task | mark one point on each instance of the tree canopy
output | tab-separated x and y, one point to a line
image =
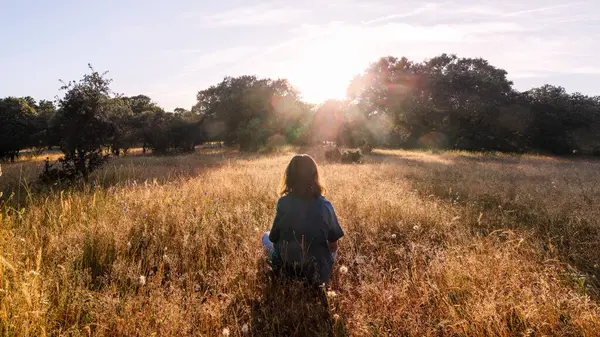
17	125
443	102
247	111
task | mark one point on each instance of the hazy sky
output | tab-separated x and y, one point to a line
171	49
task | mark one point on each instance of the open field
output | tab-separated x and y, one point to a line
450	244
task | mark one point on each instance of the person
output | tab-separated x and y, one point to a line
303	241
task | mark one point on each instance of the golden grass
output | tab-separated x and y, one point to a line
452	244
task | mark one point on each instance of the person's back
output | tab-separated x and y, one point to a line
305	230
301	233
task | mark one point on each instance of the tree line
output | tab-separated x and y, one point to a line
444	102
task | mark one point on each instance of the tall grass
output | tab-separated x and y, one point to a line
452	244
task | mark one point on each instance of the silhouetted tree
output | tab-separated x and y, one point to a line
247	111
166	132
45	136
17	126
83	122
442	102
124	133
446	101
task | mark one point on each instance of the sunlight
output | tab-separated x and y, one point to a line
325	66
320	80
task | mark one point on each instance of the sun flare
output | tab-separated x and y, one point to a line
325	67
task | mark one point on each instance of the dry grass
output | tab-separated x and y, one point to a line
454	244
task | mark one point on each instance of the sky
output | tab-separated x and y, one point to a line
169	50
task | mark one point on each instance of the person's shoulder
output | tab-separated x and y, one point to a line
325	202
284	200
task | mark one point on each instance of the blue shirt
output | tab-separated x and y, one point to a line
301	233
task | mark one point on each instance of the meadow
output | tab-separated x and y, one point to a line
436	244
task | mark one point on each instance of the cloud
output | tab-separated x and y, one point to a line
219	58
419	10
322	59
374	6
525	74
541	9
256	15
320	56
441	12
584	70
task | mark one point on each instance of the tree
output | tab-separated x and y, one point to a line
563	123
166	132
391	89
328	121
470	94
122	119
457	100
445	102
17	126
46	137
237	105
185	131
140	104
83	122
141	108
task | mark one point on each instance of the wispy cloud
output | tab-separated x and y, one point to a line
419	10
255	15
320	57
434	13
359	5
541	9
219	58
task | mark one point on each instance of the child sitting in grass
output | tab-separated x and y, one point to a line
303	241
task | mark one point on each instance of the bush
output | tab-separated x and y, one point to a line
69	170
275	141
333	155
349	157
366	148
168	133
84	125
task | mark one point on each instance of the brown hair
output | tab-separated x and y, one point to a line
301	178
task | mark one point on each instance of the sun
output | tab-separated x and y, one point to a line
324	69
322	81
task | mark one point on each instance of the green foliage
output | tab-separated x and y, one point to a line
563	123
247	111
142	109
466	103
335	155
445	102
253	134
41	132
350	157
366	148
84	124
124	135
17	126
165	132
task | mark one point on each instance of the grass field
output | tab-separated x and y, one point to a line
449	244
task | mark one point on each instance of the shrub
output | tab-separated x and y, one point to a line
83	124
349	157
68	171
333	155
275	141
366	148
